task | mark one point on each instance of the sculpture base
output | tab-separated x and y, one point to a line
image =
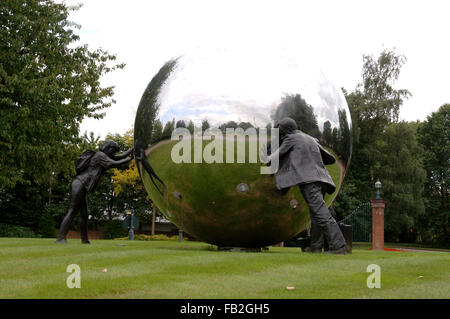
241	249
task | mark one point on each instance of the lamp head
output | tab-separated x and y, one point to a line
378	184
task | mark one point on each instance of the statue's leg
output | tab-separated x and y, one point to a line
77	193
84	221
321	216
316	236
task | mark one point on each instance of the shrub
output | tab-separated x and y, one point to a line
16	231
114	229
47	226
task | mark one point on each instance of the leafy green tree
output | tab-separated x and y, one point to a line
229	124
47	228
149	106
344	140
205	125
129	192
347	200
114	229
295	107
375	103
168	129
157	131
191	127
245	125
434	135
48	85
334	136
102	202
327	135
180	123
399	166
89	142
22	204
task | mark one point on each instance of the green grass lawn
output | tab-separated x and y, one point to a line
36	268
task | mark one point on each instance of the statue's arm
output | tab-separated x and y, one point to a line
285	146
327	157
108	162
120	162
123	155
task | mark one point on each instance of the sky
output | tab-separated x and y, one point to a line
146	34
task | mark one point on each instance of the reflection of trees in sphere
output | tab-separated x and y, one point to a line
232	204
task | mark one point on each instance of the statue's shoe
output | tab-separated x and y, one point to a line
61	241
310	250
340	251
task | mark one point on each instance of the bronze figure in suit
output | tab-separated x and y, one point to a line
302	162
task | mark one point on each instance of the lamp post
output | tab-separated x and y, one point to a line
377	219
131	225
378	187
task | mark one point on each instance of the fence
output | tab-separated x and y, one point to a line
361	221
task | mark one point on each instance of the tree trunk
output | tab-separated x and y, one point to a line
371	174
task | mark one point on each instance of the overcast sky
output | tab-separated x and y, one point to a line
145	34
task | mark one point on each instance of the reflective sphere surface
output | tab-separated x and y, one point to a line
233	204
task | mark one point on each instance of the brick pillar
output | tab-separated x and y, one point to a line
377	224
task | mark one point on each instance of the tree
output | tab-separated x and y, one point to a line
180	123
168	129
295	107
47	226
434	135
149	107
327	133
375	103
400	168
191	127
157	131
229	124
245	125
102	203
205	125
347	200
48	85
129	192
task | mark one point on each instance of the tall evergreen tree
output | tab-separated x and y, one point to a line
191	127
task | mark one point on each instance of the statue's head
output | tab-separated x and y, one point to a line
110	147
286	126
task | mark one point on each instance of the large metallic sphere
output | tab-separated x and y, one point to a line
233	204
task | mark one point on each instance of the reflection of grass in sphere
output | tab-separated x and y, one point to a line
211	208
